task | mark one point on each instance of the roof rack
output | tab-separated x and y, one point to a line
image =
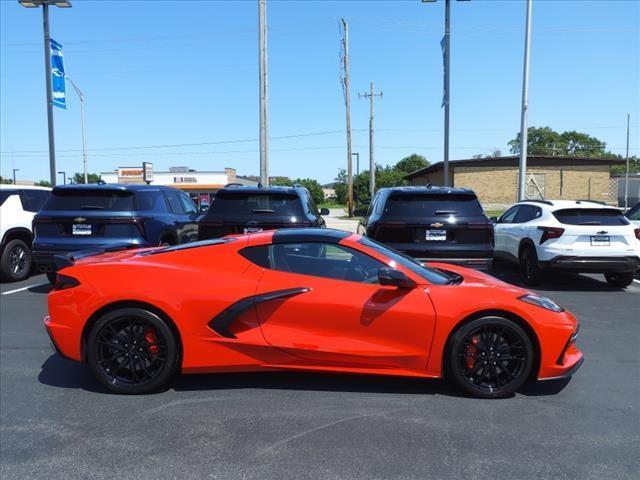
545	202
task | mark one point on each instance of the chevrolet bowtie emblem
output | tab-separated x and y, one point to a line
437	225
79	219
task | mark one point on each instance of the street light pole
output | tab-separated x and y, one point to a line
84	138
14	174
47	68
262	40
64	177
357	162
524	130
626	175
447	43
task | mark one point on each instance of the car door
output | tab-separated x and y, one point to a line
503	230
180	218
191	222
335	312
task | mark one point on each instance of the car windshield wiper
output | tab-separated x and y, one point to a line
445	212
263	210
91	207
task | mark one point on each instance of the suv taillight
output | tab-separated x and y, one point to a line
637	232
64	282
550	232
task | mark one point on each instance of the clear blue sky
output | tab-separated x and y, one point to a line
169	72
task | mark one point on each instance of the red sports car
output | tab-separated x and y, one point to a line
306	300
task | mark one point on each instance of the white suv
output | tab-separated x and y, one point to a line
580	236
18	205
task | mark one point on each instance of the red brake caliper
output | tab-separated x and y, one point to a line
150	337
470	358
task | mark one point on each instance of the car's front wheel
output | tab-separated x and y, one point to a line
132	351
15	263
490	357
621	280
531	272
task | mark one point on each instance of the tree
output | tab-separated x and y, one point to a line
315	189
280	181
5	181
546	141
412	163
540	141
79	178
340	186
621	168
581	145
44	183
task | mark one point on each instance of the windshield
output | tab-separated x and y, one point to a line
104	200
590	216
430	205
431	275
240	203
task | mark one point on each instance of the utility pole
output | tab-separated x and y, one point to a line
626	175
347	103
84	138
264	140
522	174
372	162
447	48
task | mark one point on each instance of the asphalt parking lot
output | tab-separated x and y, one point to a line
57	422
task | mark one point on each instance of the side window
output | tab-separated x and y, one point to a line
524	214
188	204
32	200
152	201
173	198
5	194
509	215
635	215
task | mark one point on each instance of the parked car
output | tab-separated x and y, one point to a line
432	224
634	214
243	209
18	205
266	301
579	236
78	217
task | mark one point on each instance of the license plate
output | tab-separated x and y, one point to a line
81	229
252	229
436	235
600	241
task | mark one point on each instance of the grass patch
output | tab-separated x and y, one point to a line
331	204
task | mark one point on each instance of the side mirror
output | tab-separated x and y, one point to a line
494	219
324	211
390	276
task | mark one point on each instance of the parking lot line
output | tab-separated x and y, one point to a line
25	288
637	281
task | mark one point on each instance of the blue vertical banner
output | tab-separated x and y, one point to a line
58	83
443	45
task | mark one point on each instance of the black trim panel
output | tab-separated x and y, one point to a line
221	322
303	235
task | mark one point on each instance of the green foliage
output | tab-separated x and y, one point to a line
280	181
79	177
634	166
315	189
546	141
412	163
5	181
44	183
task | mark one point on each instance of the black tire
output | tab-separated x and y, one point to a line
530	271
126	358
621	280
475	357
16	260
51	276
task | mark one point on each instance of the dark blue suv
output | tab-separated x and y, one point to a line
79	217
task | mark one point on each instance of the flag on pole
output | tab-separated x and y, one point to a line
443	46
58	84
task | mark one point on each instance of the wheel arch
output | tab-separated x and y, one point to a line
526	243
518	320
20	233
128	304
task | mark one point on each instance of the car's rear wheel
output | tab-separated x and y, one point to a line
16	261
531	272
490	357
132	351
621	280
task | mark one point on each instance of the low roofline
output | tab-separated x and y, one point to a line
512	160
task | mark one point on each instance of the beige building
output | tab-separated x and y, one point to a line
495	180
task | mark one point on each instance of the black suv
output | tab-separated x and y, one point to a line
242	209
79	217
432	224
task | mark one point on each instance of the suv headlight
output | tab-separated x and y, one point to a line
542	302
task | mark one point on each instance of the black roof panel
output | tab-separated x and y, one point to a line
295	235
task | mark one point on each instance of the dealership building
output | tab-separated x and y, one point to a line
200	185
495	179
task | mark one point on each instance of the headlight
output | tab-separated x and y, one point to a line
540	301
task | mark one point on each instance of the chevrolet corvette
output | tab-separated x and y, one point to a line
306	300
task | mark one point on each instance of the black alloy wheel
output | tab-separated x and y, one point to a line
490	357
531	272
132	351
16	261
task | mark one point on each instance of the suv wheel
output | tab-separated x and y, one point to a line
15	263
531	272
621	280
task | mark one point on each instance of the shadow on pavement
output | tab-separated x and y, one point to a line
59	372
41	288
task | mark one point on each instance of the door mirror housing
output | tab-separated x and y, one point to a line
393	277
494	219
324	211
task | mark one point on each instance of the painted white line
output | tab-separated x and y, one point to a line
24	288
637	281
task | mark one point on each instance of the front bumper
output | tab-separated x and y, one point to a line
593	264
